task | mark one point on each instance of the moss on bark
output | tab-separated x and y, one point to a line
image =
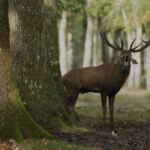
17	122
33	84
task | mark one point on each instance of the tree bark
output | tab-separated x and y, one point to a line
15	121
62	43
69	51
130	81
137	56
96	47
147	66
34	45
88	42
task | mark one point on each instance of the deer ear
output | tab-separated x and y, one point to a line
134	61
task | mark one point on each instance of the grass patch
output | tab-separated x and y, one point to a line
50	145
129	105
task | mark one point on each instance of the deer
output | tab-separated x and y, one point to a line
106	79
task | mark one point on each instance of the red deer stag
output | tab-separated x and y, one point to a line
106	79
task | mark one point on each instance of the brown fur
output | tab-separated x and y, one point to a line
106	79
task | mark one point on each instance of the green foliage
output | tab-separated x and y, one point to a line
93	7
75	6
129	105
110	11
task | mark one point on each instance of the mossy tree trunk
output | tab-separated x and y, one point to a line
34	45
28	41
15	121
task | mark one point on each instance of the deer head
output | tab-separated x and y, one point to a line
125	57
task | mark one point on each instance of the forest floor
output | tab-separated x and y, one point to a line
132	125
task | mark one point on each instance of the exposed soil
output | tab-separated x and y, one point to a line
130	135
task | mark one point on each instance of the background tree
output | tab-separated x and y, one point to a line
119	19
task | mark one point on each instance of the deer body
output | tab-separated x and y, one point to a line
106	79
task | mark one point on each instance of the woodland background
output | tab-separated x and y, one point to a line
80	43
40	40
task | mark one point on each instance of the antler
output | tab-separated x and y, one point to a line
134	50
116	46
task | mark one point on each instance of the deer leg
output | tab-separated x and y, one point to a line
104	109
111	109
71	101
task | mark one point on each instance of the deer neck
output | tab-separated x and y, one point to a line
125	69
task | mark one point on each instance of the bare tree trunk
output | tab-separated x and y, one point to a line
130	82
147	66
62	43
88	42
69	40
137	56
69	51
148	69
95	52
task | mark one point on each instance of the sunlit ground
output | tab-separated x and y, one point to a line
131	105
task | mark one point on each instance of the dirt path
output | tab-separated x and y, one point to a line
131	136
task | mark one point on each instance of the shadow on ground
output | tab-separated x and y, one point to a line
132	123
130	136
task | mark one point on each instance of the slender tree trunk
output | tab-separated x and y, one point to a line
130	82
62	43
69	51
147	66
137	56
147	69
96	49
110	51
88	42
69	34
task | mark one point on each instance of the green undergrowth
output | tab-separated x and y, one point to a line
129	105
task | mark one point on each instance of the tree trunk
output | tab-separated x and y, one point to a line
96	47
69	51
137	56
62	43
88	42
130	82
15	121
147	66
34	44
69	40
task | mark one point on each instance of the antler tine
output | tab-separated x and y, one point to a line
132	44
115	47
144	41
137	46
122	44
147	43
